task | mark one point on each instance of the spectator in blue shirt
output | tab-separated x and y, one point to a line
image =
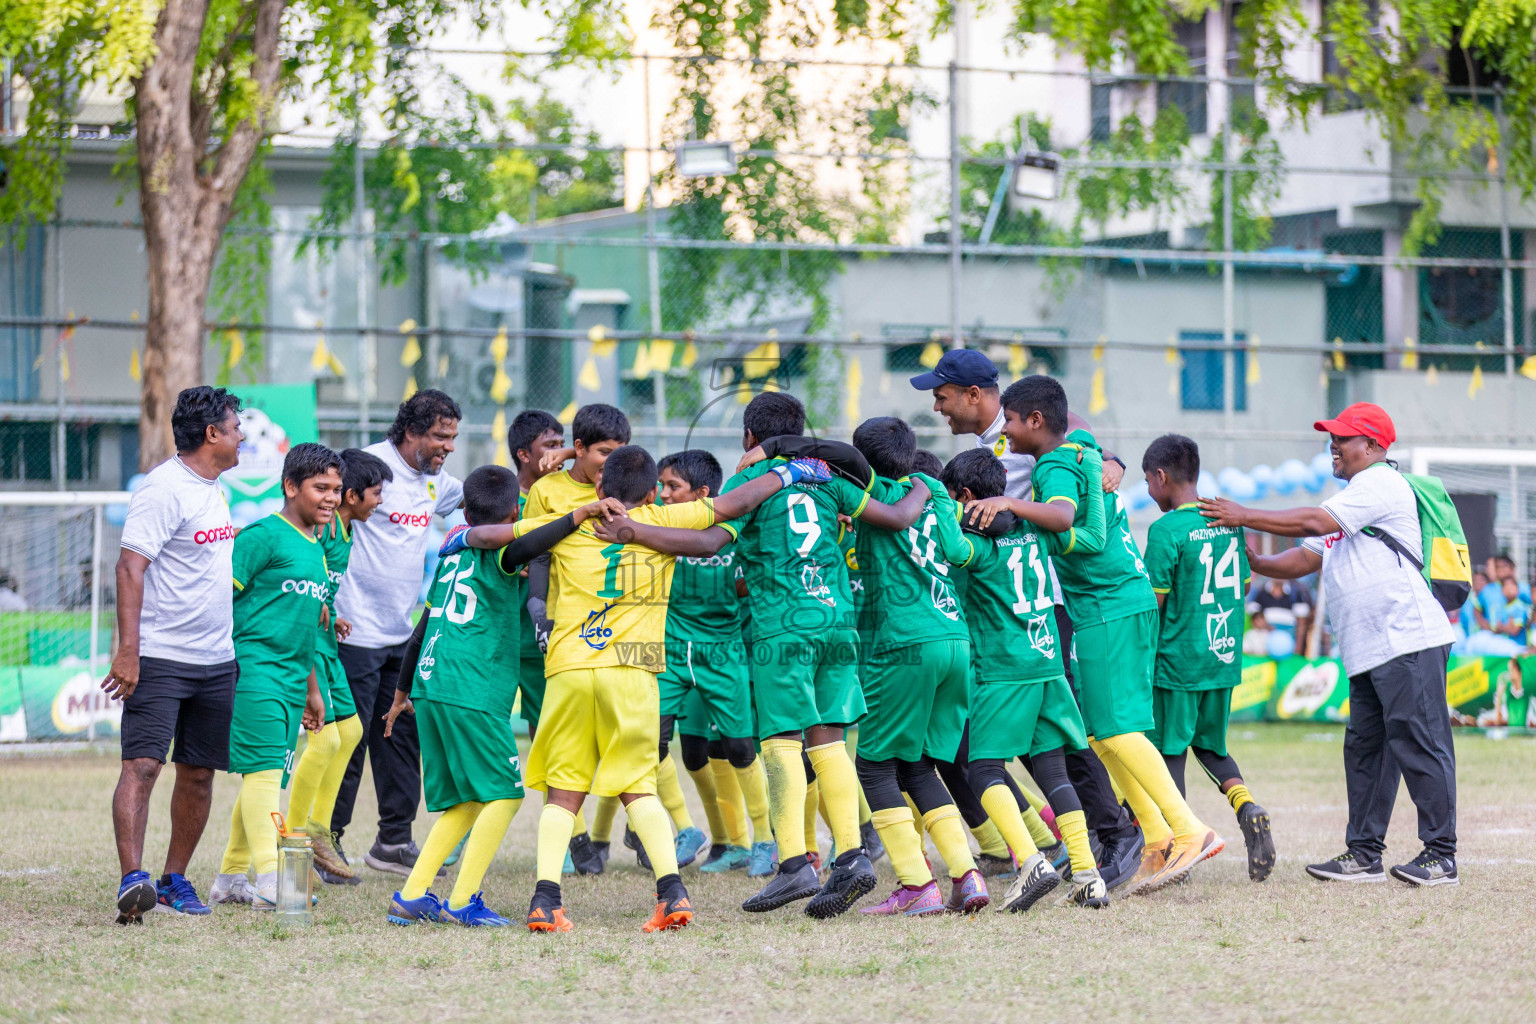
1515	615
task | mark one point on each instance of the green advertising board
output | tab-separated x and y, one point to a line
274	418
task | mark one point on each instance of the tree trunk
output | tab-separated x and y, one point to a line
186	193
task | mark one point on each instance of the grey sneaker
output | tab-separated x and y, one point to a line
1427	869
1348	866
231	888
395	858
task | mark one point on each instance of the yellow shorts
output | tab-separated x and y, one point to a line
598	732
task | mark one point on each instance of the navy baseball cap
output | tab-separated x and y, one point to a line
964	367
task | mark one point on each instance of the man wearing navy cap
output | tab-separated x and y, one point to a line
1394	640
965	393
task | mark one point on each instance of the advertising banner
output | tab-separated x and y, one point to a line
275	417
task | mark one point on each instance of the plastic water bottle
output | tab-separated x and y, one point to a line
295	867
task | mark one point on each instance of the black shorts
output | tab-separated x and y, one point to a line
190	704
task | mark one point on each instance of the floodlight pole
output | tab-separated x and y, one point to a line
954	204
652	261
367	356
1228	278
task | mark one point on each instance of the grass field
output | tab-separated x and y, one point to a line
1219	948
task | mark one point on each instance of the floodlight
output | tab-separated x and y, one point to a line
705	158
1036	176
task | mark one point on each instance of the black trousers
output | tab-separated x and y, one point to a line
1104	815
372	673
1399	728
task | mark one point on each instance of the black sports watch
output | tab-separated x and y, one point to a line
1116	458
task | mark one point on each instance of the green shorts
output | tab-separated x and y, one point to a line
332	680
1114	674
693	715
917	701
466	756
798	681
1190	718
263	731
1014	719
717	672
530	690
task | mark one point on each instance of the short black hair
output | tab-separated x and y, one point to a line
527	427
490	495
697	467
889	445
309	459
197	409
420	413
927	462
977	469
629	474
774	414
597	423
1175	455
1042	394
361	470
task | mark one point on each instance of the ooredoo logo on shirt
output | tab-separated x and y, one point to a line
407	519
225	532
305	587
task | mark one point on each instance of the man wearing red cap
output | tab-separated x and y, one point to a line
1394	639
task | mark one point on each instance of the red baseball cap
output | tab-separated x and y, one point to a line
1361	420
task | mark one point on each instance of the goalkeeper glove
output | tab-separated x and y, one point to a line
813	471
455	542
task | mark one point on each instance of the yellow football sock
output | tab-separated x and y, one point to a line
1074	832
943	823
484	840
445	835
648	820
349	732
990	839
895	827
917	821
785	775
812	804
669	790
1154	828
602	818
579	823
259	794
237	852
1035	800
709	796
1039	831
730	804
754	791
554	841
1140	758
1003	809
307	774
840	790
1237	796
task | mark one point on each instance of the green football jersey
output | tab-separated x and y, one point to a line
465	659
848	544
280	586
797	578
1203	571
1100	568
336	546
1010	609
909	593
703	606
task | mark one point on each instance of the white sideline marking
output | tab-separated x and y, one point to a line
23	872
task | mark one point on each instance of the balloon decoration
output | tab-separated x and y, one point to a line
1290	477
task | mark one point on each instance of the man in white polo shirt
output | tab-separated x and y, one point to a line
1394	639
174	669
965	393
376	597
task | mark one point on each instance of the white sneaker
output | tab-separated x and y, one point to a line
264	893
231	889
1036	878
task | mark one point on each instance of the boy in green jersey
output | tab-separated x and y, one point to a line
317	777
281	589
916	662
705	687
1020	702
1200	576
1114	618
532	435
460	679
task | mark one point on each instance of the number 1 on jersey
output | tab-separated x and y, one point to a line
1042	599
1224	570
614	553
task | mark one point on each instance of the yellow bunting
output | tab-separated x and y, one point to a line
885	382
690	355
588	377
501	385
323	359
744	395
567	414
932	353
1098	401
1018	359
770	385
502	457
1528	368
604	349
499	344
1338	353
236	348
134	316
596	333
853	380
1410	355
1322	380
442	365
661	353
762	360
137	374
642	365
406	326
1253	361
410	355
64	364
410	388
1476	383
1098	350
1431	376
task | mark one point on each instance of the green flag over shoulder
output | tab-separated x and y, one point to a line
1444	561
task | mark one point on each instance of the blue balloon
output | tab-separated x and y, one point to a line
1322	465
1237	485
1206	484
1263	478
134	482
1294	472
1138	497
1315	481
1281	644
